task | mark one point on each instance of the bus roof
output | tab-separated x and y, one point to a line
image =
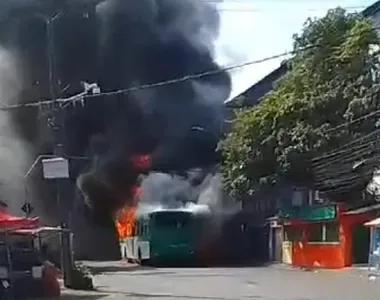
196	209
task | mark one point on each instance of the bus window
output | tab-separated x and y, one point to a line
172	220
135	228
141	228
145	228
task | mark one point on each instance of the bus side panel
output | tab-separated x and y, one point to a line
123	248
131	248
144	247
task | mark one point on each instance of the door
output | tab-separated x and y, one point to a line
277	246
360	244
287	252
143	251
131	247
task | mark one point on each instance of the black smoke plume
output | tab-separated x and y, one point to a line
119	44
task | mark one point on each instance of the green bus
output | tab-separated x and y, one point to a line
165	236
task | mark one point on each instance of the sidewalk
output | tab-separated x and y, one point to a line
359	270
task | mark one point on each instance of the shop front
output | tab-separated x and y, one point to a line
319	236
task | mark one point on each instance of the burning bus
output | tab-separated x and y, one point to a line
163	236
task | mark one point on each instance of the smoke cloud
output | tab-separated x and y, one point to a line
200	188
119	44
178	125
14	152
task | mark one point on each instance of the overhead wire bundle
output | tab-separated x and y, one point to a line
350	166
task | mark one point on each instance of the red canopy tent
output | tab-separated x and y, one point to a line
11	222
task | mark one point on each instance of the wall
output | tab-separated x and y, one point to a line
327	255
267	202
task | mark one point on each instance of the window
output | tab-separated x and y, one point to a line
138	228
316	233
292	234
332	232
135	228
172	220
142	228
146	228
322	233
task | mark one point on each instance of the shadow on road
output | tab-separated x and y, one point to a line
115	268
83	297
240	265
95	270
215	265
176	296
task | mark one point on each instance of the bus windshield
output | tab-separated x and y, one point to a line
171	219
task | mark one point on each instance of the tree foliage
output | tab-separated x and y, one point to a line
333	79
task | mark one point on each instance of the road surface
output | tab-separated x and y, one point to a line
115	281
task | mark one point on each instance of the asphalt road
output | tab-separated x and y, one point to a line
115	281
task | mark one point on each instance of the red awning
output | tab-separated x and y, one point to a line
11	222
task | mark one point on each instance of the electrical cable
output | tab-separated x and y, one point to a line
340	171
358	149
344	160
80	97
359	180
345	169
343	148
350	157
354	155
261	10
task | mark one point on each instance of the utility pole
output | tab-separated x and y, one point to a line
55	119
56	125
55	122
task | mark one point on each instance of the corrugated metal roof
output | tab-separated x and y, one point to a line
362	210
373	223
372	9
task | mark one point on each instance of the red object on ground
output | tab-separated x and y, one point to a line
12	222
50	283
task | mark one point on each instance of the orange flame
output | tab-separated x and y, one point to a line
125	221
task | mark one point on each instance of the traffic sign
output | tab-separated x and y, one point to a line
27	208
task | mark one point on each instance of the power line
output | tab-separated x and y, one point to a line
340	171
346	167
261	10
351	154
81	97
332	155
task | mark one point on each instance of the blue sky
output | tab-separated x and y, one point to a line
254	29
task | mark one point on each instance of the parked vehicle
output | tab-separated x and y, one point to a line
24	271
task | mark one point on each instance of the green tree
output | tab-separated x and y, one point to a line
333	78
